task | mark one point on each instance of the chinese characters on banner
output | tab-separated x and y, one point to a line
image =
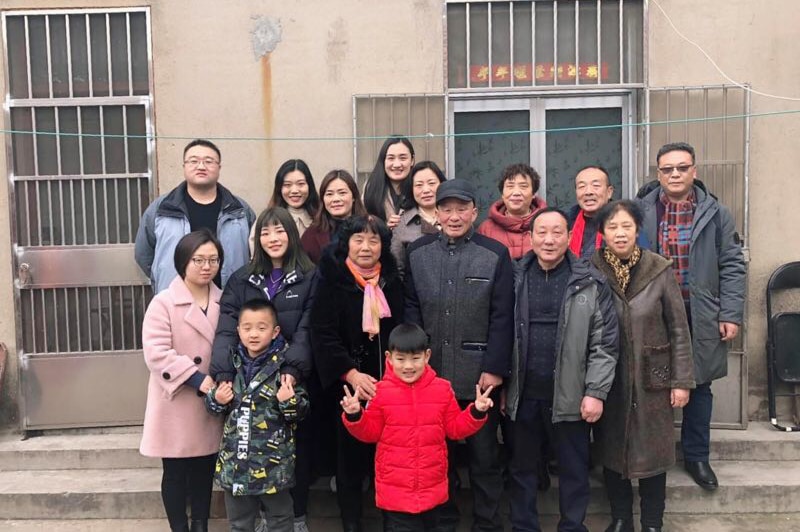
525	73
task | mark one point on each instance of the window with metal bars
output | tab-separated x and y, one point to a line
377	116
80	82
544	43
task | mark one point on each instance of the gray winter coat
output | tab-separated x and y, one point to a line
586	341
463	296
716	278
166	221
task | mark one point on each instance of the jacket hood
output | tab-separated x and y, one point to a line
174	203
499	215
333	268
426	378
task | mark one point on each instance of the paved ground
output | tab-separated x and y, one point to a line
730	523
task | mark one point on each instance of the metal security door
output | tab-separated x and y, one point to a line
81	81
558	134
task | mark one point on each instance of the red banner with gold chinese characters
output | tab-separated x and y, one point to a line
525	73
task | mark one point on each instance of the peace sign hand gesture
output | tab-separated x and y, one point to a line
349	402
482	400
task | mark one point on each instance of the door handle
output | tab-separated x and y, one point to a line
23	275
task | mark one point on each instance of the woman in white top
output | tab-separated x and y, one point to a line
295	191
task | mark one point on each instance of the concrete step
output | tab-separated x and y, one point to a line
760	442
684	523
746	487
74	451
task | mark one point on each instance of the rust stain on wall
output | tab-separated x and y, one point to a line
266	105
266	35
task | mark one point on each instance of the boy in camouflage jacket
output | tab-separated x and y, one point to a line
257	455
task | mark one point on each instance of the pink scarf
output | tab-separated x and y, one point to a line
375	305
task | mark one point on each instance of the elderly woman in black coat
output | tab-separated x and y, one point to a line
358	302
654	372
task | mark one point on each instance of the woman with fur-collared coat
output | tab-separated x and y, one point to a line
654	372
177	335
358	302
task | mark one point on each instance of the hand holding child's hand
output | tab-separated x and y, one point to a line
224	393
482	400
350	402
286	391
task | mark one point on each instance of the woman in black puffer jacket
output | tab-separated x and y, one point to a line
281	272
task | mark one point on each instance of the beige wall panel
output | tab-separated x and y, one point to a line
218	87
752	41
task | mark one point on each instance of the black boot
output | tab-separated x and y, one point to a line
199	525
702	474
620	525
651	529
180	528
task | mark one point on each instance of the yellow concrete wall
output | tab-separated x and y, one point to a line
209	83
752	41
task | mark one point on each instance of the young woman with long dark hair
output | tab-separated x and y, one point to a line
383	193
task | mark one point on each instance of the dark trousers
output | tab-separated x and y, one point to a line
485	476
531	428
243	510
302	467
430	521
696	425
354	462
652	492
187	477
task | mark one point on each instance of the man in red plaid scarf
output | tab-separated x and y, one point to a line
684	222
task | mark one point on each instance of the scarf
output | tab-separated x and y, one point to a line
622	270
675	237
375	305
576	242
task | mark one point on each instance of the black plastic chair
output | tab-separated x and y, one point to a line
783	342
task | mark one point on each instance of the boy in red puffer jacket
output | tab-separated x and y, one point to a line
410	417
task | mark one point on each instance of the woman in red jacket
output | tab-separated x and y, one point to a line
410	417
509	219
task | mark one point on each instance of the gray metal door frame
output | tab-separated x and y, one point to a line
79	297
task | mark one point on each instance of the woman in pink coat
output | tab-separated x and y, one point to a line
177	336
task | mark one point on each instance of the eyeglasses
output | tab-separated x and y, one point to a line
208	162
682	169
200	261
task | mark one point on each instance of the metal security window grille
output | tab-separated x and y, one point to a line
379	116
544	43
81	81
84	319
